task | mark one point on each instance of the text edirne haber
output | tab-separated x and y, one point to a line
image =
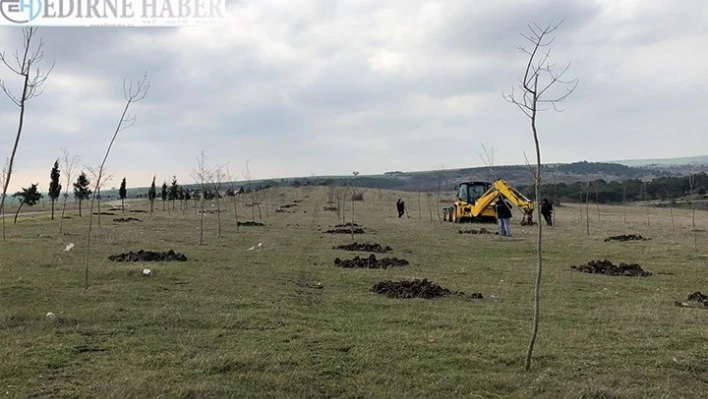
127	9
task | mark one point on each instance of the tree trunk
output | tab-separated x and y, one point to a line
63	210
52	199
152	205
218	215
539	248
80	201
18	211
17	140
122	204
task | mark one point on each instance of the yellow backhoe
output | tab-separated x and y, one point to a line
475	202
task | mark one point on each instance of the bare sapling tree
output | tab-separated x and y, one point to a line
218	177
3	176
587	207
132	93
597	199
354	194
233	194
24	64
203	176
105	178
691	184
646	202
540	78
68	165
254	202
624	202
671	209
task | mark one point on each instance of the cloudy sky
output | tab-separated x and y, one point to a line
302	87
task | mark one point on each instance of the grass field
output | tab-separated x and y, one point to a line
233	323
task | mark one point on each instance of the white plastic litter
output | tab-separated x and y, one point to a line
51	316
147	272
251	249
68	247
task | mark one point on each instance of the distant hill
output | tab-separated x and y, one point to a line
516	175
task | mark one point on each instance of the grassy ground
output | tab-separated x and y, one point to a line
232	323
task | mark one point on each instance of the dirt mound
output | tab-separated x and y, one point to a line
138	211
416	289
695	300
124	220
348	225
606	267
627	237
250	223
480	231
149	256
346	231
331	208
286	206
104	213
364	247
370	263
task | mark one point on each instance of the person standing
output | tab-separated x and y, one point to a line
503	217
401	207
547	211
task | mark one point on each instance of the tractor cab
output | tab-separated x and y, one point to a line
470	192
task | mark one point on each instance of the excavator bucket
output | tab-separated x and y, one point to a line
527	219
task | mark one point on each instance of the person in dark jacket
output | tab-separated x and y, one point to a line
401	207
547	211
503	217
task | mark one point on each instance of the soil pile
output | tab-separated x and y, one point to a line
606	267
627	237
331	208
695	300
480	231
104	213
288	206
348	225
416	289
355	230
365	247
124	220
250	223
370	263
149	256
138	211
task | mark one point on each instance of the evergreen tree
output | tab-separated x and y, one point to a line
163	194
152	194
122	192
81	189
28	196
173	192
54	185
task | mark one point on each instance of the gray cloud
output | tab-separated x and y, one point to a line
329	87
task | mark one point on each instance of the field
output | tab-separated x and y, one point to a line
281	321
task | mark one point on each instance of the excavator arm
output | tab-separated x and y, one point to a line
516	198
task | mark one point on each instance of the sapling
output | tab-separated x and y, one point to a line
539	77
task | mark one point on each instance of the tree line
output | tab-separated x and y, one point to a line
604	192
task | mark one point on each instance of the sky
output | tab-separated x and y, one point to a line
327	87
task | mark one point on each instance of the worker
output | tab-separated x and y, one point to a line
401	207
547	211
503	217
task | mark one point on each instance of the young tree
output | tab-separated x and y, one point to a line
252	190
173	192
163	195
24	62
81	189
539	77
152	194
68	165
122	192
3	176
202	176
54	185
131	94
106	177
28	196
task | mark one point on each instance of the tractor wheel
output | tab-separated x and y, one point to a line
453	217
